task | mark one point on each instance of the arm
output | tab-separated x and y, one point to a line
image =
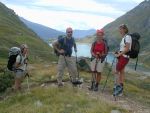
126	49
18	61
75	47
55	45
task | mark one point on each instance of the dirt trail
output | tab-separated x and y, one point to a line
122	102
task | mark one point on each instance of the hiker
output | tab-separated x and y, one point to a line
123	59
98	52
65	59
20	66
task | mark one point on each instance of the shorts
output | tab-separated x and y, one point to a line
122	62
19	73
97	68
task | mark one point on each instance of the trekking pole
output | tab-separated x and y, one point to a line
136	64
108	74
77	64
94	76
95	70
27	75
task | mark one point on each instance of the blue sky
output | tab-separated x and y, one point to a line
79	14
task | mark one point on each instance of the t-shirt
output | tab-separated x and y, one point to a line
99	47
66	45
23	65
125	39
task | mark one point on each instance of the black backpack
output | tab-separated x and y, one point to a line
135	47
13	53
61	46
58	46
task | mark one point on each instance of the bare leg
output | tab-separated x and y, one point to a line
17	83
98	77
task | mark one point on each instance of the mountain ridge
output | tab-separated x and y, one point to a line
14	32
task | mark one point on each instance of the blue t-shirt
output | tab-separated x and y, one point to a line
66	45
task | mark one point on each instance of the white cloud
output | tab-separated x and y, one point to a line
79	5
59	14
61	20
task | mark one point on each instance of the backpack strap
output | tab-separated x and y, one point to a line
106	47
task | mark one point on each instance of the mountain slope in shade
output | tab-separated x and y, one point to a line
137	20
42	31
14	32
46	32
83	33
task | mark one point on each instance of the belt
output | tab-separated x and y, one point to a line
67	55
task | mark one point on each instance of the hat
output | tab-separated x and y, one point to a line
100	31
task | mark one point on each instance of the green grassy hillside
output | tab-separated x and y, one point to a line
13	32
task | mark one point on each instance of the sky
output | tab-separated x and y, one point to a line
78	14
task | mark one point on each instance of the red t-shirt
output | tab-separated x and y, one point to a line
99	47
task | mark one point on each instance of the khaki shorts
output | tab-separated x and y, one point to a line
99	67
20	73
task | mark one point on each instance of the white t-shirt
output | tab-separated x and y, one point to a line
23	65
127	39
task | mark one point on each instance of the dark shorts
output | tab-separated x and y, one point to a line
122	62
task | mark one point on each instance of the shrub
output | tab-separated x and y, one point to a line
6	80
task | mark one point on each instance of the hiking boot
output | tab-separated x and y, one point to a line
96	87
77	82
92	86
60	85
118	90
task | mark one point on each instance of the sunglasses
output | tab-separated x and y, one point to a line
69	32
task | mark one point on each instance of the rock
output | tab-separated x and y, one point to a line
38	103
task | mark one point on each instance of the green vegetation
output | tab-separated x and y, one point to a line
6	80
13	32
54	100
45	97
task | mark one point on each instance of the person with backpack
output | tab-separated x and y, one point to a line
123	59
20	66
98	51
65	59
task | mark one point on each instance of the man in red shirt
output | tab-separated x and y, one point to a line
98	52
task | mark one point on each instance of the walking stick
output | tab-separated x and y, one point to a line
108	74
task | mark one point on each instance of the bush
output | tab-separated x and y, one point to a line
6	80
